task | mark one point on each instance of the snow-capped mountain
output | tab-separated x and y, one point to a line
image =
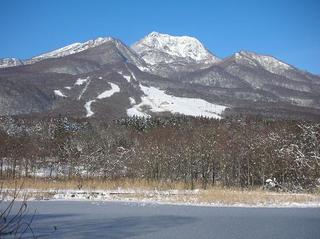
71	49
160	74
167	55
158	48
85	57
10	62
74	48
267	62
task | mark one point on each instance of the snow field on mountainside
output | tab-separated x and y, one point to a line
108	93
158	101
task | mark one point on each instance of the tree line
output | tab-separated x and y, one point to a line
233	152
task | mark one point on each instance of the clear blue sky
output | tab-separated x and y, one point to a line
287	29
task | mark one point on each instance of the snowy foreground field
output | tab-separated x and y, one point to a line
115	220
154	214
213	197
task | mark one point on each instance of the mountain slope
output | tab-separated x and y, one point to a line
92	56
159	75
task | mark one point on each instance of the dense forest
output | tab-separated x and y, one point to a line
233	152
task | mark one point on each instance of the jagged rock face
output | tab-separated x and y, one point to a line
160	74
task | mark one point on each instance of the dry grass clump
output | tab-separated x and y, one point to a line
254	196
154	190
91	184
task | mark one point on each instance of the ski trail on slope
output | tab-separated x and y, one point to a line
84	89
106	94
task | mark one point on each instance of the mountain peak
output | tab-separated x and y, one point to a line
155	34
270	63
172	48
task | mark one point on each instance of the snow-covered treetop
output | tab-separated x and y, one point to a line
73	48
173	46
268	62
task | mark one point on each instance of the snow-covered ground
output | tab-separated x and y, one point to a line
158	101
170	197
